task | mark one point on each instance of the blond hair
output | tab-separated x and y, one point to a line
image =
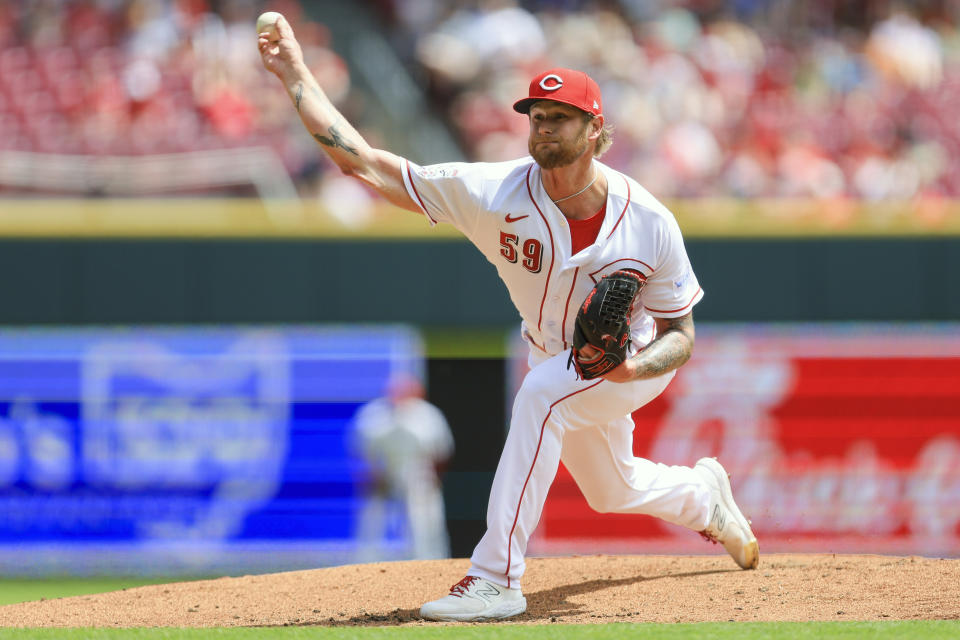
605	139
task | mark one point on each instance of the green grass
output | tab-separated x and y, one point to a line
925	629
14	590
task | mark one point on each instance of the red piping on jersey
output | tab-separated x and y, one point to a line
546	286
417	193
645	276
699	289
624	208
563	327
529	473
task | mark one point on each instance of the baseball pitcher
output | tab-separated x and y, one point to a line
597	269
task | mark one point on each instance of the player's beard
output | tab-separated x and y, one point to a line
562	154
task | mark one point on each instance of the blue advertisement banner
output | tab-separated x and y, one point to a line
185	449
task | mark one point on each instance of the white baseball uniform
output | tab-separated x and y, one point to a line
405	441
505	211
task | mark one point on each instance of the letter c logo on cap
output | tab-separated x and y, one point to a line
551	82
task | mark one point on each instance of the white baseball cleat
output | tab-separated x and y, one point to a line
474	599
727	524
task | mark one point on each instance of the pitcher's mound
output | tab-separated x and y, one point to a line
592	589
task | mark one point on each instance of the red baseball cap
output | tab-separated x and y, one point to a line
563	85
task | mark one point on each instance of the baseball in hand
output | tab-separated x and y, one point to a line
267	22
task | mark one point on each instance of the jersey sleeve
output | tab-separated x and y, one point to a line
450	192
672	289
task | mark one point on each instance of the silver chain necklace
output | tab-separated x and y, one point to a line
596	174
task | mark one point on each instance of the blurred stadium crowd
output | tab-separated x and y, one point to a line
746	98
121	77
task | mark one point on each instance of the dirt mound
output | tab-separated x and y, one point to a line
591	589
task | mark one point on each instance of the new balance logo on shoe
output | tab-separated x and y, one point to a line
487	592
719	517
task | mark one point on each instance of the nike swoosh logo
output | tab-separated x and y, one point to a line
508	218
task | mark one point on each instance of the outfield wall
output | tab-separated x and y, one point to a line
186	450
227	261
97	281
845	437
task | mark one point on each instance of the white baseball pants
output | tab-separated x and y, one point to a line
587	424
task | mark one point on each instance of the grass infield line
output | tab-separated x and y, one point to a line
14	590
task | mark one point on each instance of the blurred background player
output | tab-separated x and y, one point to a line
406	442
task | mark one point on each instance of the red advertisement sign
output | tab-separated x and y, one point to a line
838	438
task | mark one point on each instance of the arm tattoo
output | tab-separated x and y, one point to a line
669	350
297	98
335	140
